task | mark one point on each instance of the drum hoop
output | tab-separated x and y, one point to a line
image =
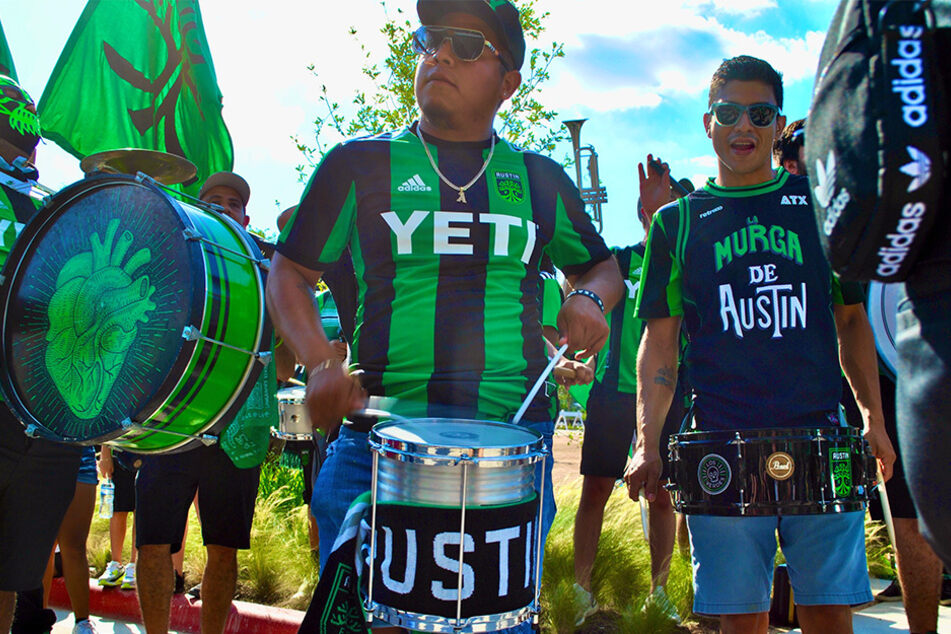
753	435
432	623
428	453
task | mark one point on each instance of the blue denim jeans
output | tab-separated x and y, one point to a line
348	472
924	411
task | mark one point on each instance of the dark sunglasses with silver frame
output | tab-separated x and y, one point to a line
726	113
467	44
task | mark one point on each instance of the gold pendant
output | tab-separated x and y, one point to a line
462	197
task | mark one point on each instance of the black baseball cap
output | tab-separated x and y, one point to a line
501	15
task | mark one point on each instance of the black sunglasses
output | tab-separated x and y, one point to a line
762	115
467	44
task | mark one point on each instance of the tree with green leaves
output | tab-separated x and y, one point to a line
391	102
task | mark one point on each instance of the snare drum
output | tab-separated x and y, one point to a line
786	471
441	482
294	421
883	317
130	317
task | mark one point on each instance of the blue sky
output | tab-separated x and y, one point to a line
639	71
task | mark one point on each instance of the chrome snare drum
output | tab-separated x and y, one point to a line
782	471
456	524
294	423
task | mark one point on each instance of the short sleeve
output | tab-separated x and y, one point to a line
660	292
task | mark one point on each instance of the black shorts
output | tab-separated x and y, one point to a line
124	481
165	488
37	483
305	450
899	497
610	428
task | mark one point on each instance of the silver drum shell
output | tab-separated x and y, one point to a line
294	421
421	461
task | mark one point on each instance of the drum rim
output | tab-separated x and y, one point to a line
428	451
421	622
753	435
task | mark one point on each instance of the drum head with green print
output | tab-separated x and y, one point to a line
96	293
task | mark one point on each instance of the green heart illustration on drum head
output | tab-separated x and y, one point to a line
93	317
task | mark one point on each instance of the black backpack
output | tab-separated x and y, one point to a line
876	137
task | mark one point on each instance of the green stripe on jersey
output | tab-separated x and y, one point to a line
744	192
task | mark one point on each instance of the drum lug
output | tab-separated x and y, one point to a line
32	431
191	235
191	333
264	265
205	439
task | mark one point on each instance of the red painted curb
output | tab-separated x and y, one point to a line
123	605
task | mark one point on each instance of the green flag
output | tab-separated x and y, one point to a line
6	58
138	73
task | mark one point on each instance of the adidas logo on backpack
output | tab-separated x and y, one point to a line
415	184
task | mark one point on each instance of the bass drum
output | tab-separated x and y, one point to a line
130	317
883	315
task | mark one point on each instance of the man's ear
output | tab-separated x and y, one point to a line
510	83
708	124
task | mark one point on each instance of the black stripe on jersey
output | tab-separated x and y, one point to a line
465	337
378	300
546	186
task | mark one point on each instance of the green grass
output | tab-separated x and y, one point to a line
279	569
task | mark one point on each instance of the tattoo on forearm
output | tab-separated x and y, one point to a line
666	377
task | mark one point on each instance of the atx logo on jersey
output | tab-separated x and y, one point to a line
794	200
452	233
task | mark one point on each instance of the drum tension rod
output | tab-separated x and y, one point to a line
193	236
190	333
205	439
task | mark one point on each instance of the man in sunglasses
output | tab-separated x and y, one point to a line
739	262
447	224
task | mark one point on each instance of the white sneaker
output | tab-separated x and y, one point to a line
112	575
662	602
585	605
84	627
128	579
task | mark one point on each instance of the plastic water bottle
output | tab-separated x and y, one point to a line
107	494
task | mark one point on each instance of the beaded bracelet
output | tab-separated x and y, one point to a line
590	295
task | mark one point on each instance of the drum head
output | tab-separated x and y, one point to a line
455	437
95	297
883	315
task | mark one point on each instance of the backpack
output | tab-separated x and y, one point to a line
876	137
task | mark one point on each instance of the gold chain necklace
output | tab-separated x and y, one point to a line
461	190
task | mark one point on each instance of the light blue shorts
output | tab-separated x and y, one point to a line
733	560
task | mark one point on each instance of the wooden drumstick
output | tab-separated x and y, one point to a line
564	373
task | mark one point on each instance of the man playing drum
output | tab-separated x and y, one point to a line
739	262
166	486
446	224
37	476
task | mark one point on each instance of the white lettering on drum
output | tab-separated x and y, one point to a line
502	537
450	562
409	575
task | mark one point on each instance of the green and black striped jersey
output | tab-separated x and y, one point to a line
448	311
744	268
617	362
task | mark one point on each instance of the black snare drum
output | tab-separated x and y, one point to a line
783	471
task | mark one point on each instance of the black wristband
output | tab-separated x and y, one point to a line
590	295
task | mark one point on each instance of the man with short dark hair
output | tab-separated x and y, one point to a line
166	485
447	224
37	476
748	238
789	150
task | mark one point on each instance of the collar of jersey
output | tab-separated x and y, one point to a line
755	190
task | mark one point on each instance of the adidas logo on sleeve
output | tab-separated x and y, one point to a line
415	184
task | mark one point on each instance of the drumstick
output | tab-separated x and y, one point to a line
886	508
642	501
538	384
564	373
